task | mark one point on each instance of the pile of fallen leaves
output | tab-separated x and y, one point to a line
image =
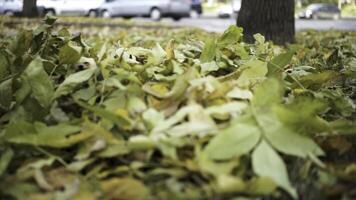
157	115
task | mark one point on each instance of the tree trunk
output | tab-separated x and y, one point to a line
29	8
272	18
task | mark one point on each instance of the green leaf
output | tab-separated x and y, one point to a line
301	115
278	63
215	168
260	39
268	93
5	160
230	184
4	66
158	55
58	136
284	139
121	120
179	88
19	190
253	72
152	118
22	42
294	144
241	51
238	93
267	163
23	91
316	81
209	51
50	20
234	141
74	80
344	127
125	189
178	117
231	35
114	150
103	141
208	67
261	186
135	104
41	85
6	94
70	53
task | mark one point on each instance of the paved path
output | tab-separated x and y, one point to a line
212	24
219	25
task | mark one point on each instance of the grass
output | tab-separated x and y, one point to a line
349	11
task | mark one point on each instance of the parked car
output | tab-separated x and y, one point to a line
196	9
319	11
156	9
71	7
10	7
230	10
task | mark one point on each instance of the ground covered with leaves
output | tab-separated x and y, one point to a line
175	114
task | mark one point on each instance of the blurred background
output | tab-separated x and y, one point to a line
210	15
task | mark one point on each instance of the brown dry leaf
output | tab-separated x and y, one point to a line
340	144
124	189
60	177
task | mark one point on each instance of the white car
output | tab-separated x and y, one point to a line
71	7
10	7
156	9
230	10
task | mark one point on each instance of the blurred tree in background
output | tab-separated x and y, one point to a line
272	18
30	8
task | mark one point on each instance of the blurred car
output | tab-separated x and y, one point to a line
10	7
230	10
320	11
196	9
71	7
155	9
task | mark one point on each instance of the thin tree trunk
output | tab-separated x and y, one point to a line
30	8
272	18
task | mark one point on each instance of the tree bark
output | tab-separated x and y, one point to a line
272	18
29	8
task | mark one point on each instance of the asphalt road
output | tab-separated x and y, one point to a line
219	25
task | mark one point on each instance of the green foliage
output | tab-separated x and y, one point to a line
267	163
137	115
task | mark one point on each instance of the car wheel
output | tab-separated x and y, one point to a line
194	14
9	13
105	14
92	13
176	18
155	14
50	12
224	16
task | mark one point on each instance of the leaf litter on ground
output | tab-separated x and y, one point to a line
137	115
